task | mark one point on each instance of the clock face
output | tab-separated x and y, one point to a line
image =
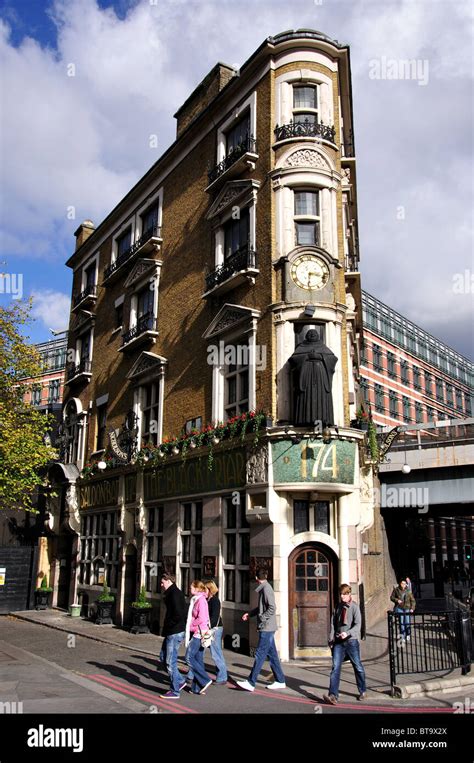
309	272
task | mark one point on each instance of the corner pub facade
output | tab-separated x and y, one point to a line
188	302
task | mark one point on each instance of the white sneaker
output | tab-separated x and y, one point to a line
246	685
276	685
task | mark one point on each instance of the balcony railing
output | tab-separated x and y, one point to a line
84	367
247	146
306	129
153	232
242	259
90	291
352	263
146	322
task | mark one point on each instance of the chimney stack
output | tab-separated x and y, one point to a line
85	230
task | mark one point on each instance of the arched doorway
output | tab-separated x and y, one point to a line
311	596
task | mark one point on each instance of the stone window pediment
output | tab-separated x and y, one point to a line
147	364
242	192
228	318
141	270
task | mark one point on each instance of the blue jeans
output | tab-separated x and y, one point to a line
218	657
169	655
404	621
351	648
266	649
195	654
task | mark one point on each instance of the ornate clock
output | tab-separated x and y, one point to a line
309	272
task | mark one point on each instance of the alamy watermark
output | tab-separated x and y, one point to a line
12	283
393	497
237	355
463	283
416	69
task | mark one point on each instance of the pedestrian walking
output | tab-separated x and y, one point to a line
266	626
404	603
344	641
173	631
197	625
215	620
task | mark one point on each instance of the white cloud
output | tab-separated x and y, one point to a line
83	141
52	308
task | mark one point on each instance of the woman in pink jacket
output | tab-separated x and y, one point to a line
197	624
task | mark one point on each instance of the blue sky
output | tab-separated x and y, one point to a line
71	146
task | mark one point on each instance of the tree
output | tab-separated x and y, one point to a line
24	451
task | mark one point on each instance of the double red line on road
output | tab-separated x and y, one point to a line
141	694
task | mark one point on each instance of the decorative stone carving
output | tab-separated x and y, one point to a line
72	518
346	175
146	362
142	267
306	157
257	466
228	319
140	519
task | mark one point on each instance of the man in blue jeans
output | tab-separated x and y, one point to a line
344	641
173	630
266	625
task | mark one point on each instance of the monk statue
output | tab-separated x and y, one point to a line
313	367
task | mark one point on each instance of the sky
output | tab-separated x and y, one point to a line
85	83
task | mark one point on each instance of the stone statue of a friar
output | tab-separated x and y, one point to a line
313	367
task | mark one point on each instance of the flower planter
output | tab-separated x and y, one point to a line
75	610
141	620
104	613
42	599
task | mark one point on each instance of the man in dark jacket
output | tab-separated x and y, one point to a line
266	626
173	630
404	603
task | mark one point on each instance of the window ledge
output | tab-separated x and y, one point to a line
305	139
244	162
137	340
236	279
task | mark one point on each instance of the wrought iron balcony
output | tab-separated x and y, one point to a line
352	263
306	129
243	259
247	146
147	241
89	294
84	367
145	323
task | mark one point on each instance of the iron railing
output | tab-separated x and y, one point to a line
145	323
89	291
153	232
84	367
241	259
306	129
428	642
247	146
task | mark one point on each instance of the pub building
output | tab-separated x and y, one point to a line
208	420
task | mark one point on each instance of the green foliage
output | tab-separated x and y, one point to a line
44	587
23	452
141	602
373	444
105	596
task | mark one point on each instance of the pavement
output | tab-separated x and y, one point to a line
309	679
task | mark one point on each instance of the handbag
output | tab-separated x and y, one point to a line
208	638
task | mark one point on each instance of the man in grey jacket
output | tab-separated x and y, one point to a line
266	626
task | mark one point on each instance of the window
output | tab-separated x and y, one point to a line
71	433
377	356
236	551
364	387
150	414
393	404
404	371
191	543
305	103
193	424
145	301
321	517
418	413
363	353
391	365
406	408
416	378
236	234
379	394
307	219
54	391
430	412
119	316
36	395
459	405
428	379
237	138
124	242
101	426
149	219
468	406
90	277
301	517
236	380
154	549
449	394
439	390
99	549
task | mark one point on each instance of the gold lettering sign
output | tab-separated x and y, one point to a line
103	493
